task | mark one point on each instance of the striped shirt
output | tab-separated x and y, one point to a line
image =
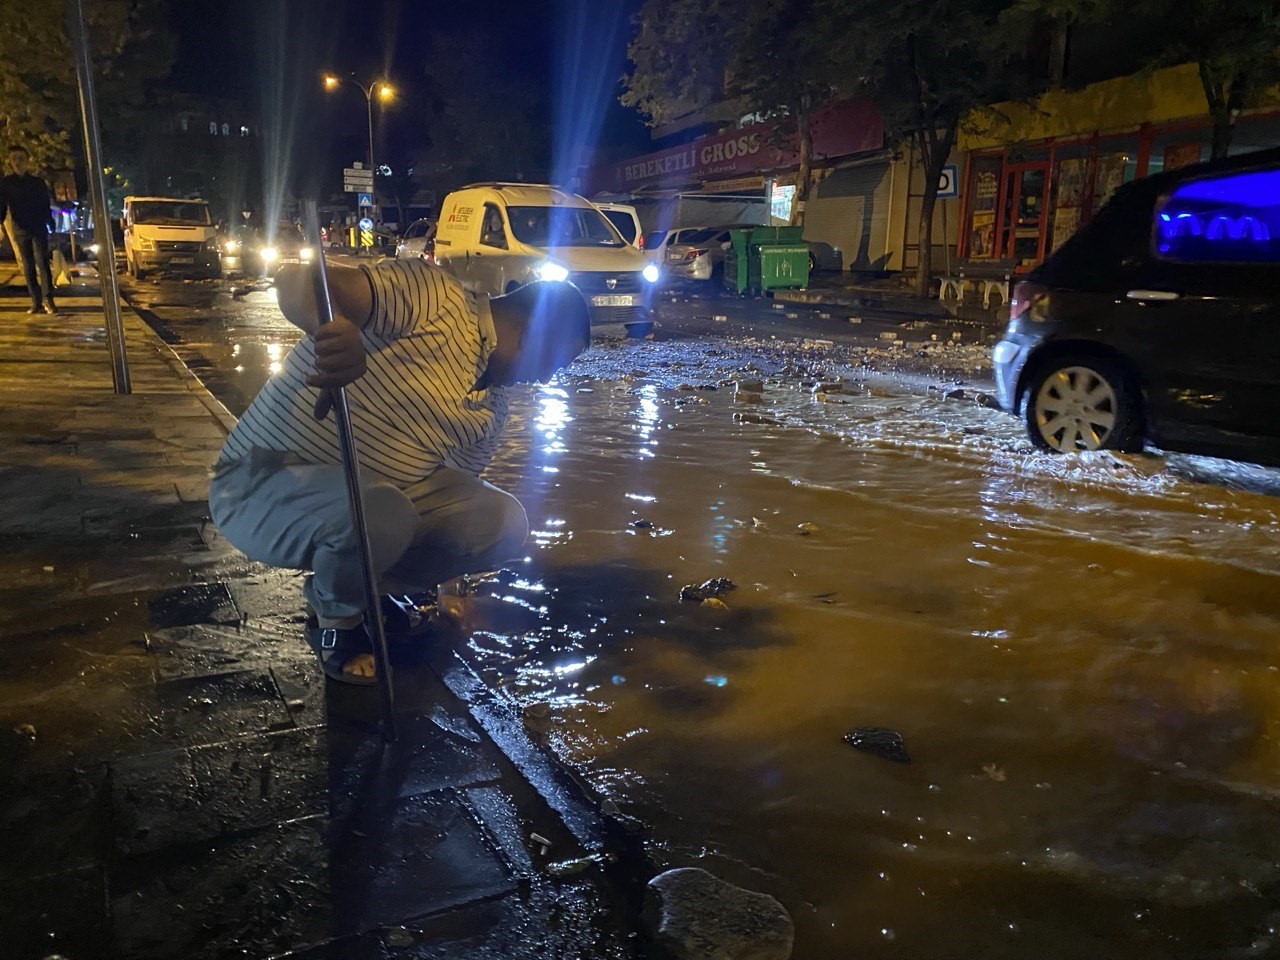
415	409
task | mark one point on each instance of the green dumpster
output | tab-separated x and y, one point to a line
766	258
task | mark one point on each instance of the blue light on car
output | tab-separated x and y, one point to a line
1250	189
1228	217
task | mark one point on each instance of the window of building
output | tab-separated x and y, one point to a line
182	122
244	131
213	128
226	129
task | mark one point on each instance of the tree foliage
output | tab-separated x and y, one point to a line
38	94
927	64
485	123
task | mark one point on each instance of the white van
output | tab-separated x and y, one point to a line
496	237
170	233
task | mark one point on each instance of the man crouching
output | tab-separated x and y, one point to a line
426	365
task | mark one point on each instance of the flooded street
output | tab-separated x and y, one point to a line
1078	652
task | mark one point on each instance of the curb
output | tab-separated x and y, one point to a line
215	407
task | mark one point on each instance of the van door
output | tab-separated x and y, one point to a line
491	261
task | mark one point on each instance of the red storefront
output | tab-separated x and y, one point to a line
1022	201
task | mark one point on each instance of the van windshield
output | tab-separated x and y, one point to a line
170	212
562	227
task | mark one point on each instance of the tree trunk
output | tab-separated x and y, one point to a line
1218	95
934	150
1058	53
804	170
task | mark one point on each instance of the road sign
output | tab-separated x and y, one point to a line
357	180
357	173
366	223
366	200
949	182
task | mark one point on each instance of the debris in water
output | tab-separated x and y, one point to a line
807	529
993	772
708	589
25	730
399	937
642	524
568	868
48	569
715	603
543	843
883	742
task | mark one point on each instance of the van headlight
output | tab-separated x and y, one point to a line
269	254
651	273
231	246
553	272
146	243
305	254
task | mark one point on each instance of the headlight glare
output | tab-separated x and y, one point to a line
651	273
553	272
269	254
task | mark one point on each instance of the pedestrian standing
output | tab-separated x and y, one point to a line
25	212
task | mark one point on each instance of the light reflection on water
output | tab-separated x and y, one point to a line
1080	654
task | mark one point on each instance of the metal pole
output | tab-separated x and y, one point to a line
351	469
373	183
98	194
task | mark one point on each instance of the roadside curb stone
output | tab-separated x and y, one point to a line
693	915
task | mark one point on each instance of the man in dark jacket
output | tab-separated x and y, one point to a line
24	210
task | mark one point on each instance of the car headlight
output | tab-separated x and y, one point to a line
146	243
92	249
553	272
231	246
305	254
651	273
211	244
269	254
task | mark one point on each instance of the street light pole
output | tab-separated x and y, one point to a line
385	91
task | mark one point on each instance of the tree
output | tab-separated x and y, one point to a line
484	124
38	94
1234	45
926	64
771	58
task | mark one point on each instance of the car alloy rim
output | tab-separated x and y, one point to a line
1075	409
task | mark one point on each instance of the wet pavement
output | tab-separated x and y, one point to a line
178	780
1077	652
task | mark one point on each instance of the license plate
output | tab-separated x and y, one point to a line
182	259
619	300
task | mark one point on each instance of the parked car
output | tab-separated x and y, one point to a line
418	241
698	254
656	242
824	256
174	234
1159	321
625	220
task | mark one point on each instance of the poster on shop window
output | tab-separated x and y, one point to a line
1073	176
1111	170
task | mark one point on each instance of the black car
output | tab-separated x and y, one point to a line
1158	321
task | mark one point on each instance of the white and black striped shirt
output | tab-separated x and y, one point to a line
428	341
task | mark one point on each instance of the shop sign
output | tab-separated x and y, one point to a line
847	127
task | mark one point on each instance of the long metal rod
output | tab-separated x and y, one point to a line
98	195
351	469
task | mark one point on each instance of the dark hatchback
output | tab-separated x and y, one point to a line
1159	321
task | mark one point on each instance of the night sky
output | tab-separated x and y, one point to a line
269	57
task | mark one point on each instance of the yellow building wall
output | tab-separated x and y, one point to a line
1173	93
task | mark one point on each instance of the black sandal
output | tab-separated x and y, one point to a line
335	648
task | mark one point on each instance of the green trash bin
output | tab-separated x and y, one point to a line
736	260
780	259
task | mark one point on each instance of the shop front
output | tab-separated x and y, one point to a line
1022	200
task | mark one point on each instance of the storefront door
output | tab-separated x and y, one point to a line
1025	199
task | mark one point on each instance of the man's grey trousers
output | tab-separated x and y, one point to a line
278	510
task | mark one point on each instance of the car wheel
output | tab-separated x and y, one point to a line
813	264
1074	403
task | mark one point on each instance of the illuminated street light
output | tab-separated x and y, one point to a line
385	92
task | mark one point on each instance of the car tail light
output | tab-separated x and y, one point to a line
694	254
640	241
1028	299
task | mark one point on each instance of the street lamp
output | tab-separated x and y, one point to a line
379	88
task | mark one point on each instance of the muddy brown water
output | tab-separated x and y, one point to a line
1079	652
